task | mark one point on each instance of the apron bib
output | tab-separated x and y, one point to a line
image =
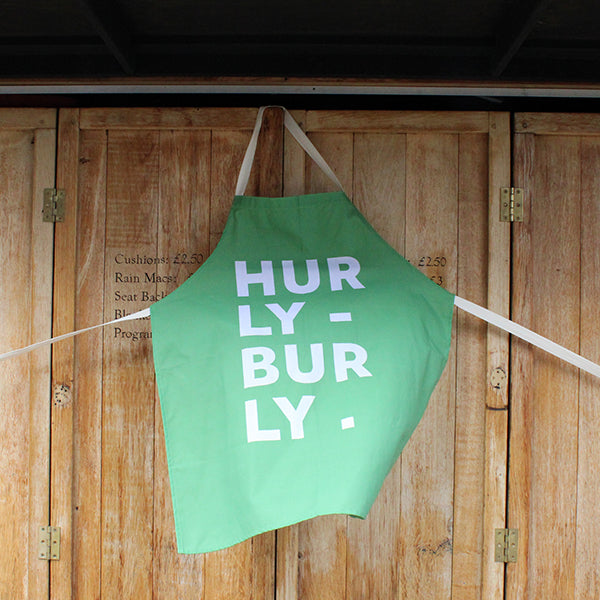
293	366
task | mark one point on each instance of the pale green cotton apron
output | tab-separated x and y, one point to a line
292	367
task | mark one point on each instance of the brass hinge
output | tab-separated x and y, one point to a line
49	543
54	206
507	545
511	204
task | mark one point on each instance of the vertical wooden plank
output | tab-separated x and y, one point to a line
26	166
16	162
87	412
471	367
42	234
499	256
373	544
496	396
556	267
128	379
322	541
228	149
428	458
552	487
587	575
183	239
522	385
65	252
379	184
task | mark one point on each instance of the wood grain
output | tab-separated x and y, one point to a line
87	417
558	123
22	119
407	122
166	178
522	384
228	149
587	576
380	184
63	357
26	167
128	377
44	157
553	390
555	410
471	367
16	160
173	118
497	362
428	458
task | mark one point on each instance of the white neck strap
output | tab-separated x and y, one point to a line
299	136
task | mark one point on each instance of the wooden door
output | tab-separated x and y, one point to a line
153	188
555	418
27	152
429	183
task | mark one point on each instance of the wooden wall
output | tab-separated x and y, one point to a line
148	192
27	158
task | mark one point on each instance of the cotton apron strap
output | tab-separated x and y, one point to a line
299	136
529	336
474	309
142	314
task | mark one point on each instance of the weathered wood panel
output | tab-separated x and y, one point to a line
428	458
128	374
520	458
64	295
434	498
544	490
587	574
162	187
408	122
87	418
23	119
148	202
498	373
558	124
470	365
27	158
210	119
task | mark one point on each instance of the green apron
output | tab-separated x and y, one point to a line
292	367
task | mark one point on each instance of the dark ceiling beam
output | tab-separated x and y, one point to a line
104	16
515	29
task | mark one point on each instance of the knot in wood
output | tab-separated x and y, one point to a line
62	394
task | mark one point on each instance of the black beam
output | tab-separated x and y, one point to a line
104	16
514	30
